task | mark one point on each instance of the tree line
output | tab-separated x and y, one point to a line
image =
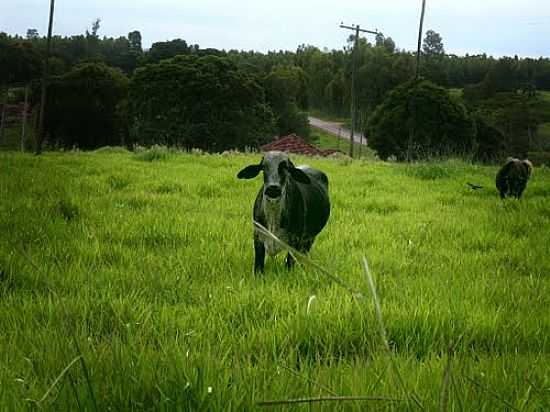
178	93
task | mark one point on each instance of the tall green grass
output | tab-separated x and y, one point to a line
127	285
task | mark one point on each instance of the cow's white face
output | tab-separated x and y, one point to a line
276	167
278	170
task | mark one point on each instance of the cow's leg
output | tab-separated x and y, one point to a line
289	261
303	247
259	255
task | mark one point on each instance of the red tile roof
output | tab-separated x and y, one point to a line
295	144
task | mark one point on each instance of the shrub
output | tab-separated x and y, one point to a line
417	120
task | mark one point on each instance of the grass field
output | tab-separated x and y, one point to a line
126	284
326	140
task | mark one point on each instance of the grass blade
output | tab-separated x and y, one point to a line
56	381
327	399
383	334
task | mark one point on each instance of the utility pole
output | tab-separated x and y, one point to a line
357	29
45	75
420	39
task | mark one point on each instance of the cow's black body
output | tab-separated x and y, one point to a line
297	215
512	178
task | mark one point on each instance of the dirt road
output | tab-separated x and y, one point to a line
335	128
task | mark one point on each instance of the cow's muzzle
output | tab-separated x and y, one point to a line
273	192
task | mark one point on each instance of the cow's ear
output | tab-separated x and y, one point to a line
299	175
249	172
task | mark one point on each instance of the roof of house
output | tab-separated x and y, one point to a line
295	144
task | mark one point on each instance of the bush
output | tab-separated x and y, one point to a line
82	107
490	141
198	102
418	120
154	153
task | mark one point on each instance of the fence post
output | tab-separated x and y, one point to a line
3	116
24	114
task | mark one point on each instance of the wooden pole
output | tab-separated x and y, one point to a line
353	70
420	39
3	118
24	123
45	74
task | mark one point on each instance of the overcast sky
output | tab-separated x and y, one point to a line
497	27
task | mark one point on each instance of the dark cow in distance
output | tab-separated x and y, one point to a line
512	178
293	204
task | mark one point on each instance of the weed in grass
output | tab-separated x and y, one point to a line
168	188
154	153
118	182
428	171
112	150
67	209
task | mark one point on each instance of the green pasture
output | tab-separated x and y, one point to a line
126	284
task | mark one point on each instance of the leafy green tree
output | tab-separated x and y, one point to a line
385	42
433	64
166	50
516	116
82	106
20	62
420	119
32	34
432	44
503	76
335	94
286	90
134	37
198	102
490	141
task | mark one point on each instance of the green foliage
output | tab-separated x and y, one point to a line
198	102
418	120
152	285
20	62
433	59
433	44
491	142
81	107
166	50
508	121
286	91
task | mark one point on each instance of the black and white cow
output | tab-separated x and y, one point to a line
293	204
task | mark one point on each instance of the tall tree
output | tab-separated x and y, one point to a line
134	37
32	34
434	56
433	44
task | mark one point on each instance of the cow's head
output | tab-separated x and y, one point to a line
278	169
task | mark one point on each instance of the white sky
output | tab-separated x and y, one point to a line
497	27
